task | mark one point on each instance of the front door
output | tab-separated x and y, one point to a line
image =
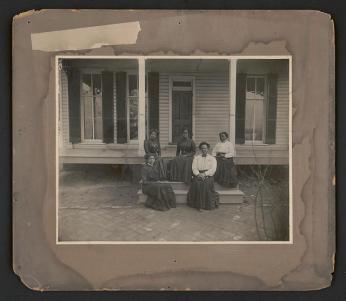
181	112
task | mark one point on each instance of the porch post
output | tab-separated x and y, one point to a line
232	98
141	105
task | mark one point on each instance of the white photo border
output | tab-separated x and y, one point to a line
223	57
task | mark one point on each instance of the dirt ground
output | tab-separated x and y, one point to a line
99	203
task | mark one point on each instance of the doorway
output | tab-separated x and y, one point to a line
182	104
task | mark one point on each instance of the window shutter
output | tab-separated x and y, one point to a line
271	109
107	107
153	100
121	107
240	109
73	76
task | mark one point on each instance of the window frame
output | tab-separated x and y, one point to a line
84	71
265	103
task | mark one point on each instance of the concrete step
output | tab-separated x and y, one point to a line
180	196
226	195
183	186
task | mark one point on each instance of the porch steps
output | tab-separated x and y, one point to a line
226	195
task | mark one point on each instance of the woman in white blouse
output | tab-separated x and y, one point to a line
226	173
202	194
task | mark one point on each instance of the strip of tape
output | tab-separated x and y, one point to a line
86	37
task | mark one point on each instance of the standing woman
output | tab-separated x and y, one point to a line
202	194
226	173
152	146
181	165
160	195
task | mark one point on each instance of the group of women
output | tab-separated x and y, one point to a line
198	171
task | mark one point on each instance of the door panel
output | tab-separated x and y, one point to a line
181	113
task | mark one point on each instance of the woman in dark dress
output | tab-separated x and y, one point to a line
226	172
181	165
202	194
160	196
152	146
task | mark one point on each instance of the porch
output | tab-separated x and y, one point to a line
204	95
128	154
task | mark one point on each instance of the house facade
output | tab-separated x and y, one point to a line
108	106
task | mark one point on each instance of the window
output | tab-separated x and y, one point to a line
255	109
132	106
91	107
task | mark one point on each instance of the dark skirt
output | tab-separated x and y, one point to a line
162	167
202	194
181	169
226	172
160	196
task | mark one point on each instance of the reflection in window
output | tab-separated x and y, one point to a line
254	110
92	106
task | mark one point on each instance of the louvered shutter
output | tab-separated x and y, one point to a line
121	107
107	107
240	108
271	109
153	100
73	76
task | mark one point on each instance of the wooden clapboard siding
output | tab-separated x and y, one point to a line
164	107
282	121
64	108
212	104
115	106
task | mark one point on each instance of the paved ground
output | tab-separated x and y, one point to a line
96	204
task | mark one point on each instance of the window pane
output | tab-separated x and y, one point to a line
133	85
97	84
249	118
133	111
98	133
258	120
250	88
86	85
260	88
88	117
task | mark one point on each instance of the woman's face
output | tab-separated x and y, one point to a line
185	133
151	160
223	137
153	135
204	149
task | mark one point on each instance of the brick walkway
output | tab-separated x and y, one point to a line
137	223
98	207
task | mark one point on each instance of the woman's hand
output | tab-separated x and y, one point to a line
202	175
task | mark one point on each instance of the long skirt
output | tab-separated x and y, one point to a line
226	172
181	169
160	196
202	194
162	166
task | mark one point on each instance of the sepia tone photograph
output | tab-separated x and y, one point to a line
180	160
173	149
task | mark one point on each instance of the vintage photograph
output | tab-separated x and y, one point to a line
174	149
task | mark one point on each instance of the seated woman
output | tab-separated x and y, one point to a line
202	194
160	195
152	146
180	169
226	172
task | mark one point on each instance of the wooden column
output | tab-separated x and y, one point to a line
232	97
141	105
